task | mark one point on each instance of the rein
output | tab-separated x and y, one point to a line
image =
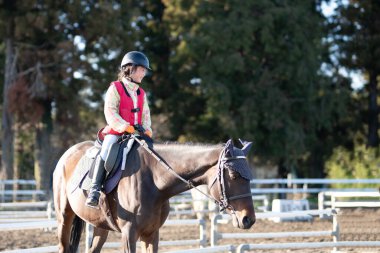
224	201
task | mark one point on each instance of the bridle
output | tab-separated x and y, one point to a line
224	201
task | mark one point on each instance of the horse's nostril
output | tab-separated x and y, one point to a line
248	222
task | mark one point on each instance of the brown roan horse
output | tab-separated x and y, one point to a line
139	204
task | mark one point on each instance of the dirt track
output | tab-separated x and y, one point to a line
355	225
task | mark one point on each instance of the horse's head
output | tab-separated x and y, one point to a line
231	186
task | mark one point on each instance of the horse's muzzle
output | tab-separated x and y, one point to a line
248	222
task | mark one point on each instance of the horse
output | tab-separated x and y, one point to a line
139	205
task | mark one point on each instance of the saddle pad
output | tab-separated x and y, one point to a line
82	169
81	177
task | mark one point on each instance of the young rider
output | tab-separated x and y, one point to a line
125	107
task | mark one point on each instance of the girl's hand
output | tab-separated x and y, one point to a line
148	133
130	129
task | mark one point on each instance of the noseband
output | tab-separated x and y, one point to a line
224	199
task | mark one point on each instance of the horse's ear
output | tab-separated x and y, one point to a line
230	145
246	146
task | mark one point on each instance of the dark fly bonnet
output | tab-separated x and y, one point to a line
234	159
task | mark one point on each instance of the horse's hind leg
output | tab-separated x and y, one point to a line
99	238
64	213
65	220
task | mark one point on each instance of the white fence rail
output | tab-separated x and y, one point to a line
19	194
308	245
29	220
301	185
291	181
50	224
25	211
217	249
200	241
224	219
184	204
336	196
47	249
335	244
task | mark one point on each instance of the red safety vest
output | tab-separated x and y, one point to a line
126	108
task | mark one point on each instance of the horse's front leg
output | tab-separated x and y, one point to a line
99	238
149	243
129	238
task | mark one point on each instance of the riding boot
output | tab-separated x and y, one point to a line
96	184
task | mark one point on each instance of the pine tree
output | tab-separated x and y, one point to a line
355	29
252	70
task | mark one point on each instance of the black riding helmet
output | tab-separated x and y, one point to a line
135	58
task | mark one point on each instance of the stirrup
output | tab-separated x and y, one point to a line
93	198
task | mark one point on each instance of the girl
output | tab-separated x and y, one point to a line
125	107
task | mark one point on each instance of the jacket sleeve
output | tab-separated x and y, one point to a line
146	121
111	110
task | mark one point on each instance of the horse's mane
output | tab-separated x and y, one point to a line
187	145
176	148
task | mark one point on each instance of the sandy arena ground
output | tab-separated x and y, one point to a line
358	224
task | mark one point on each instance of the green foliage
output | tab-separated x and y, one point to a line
221	69
354	34
258	63
359	163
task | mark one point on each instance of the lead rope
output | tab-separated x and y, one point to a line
168	168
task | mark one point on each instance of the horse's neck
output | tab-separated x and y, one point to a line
190	163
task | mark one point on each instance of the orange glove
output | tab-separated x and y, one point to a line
148	133
130	129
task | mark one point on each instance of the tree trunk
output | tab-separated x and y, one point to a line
373	122
16	159
6	171
43	165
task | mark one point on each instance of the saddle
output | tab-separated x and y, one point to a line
114	164
117	151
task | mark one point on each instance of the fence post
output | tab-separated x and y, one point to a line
242	247
202	233
214	236
89	236
335	230
49	210
333	199
321	200
304	194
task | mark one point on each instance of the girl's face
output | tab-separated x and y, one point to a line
139	74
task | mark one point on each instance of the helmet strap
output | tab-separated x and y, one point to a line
131	80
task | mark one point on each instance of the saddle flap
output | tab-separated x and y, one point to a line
113	156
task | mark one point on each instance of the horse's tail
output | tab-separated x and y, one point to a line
76	232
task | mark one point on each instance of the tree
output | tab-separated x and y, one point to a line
8	12
355	29
63	69
252	70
